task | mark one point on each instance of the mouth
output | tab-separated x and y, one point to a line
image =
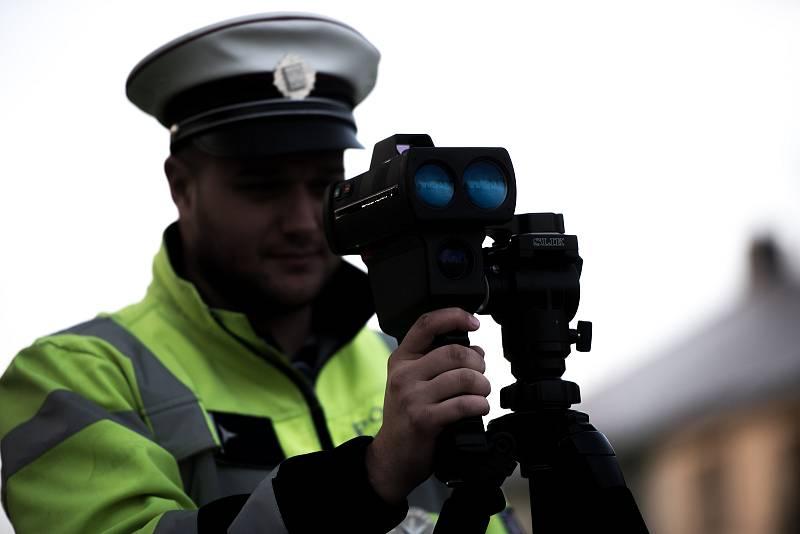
289	255
294	264
295	260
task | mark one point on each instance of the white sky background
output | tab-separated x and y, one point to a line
667	133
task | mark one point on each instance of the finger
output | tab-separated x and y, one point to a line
431	324
450	384
449	357
457	408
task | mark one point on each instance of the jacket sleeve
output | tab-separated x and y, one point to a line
78	455
334	481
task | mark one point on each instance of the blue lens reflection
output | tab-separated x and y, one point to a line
455	260
485	184
434	185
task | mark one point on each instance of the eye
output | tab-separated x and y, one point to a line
318	188
260	186
257	184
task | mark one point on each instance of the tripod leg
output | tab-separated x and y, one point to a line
546	502
468	509
560	505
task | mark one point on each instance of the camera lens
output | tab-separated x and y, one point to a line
454	260
434	185
485	184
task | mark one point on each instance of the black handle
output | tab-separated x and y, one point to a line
460	443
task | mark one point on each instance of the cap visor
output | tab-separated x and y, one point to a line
277	136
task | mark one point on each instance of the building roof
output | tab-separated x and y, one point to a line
748	356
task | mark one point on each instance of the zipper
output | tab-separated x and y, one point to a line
309	395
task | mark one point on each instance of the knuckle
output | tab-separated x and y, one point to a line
466	379
395	383
457	354
471	406
464	407
486	386
397	357
475	361
421	418
424	321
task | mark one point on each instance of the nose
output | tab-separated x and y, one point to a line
302	212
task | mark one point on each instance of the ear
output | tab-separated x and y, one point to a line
181	184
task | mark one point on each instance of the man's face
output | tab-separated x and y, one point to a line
253	227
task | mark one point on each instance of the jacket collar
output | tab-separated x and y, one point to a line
340	311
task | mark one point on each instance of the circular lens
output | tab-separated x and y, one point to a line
434	185
454	260
485	184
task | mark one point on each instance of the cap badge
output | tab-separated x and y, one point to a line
293	77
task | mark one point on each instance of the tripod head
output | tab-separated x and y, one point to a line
533	271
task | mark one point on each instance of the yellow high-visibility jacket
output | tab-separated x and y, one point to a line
170	416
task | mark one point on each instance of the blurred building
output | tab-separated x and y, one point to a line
708	433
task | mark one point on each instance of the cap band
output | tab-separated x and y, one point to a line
309	108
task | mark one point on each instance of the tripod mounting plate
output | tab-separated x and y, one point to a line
553	393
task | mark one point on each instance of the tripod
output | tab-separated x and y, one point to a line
575	482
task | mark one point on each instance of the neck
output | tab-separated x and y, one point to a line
289	329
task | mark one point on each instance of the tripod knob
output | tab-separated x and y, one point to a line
584	336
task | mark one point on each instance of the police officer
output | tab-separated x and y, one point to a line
243	392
